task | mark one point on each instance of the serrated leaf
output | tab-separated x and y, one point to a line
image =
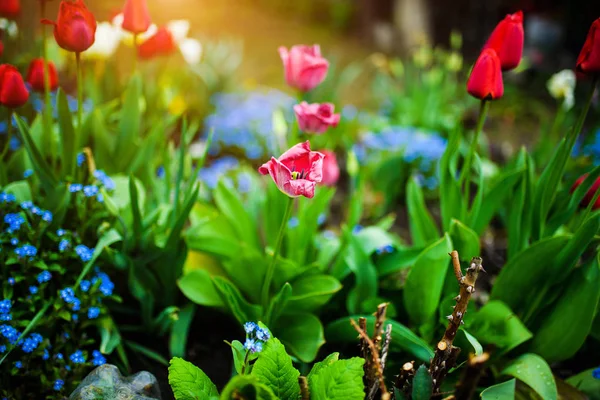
422	384
274	368
536	373
330	359
340	380
188	382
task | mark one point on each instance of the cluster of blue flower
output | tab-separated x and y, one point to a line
93	190
255	337
245	121
37	102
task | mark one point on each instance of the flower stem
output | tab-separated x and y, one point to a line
245	365
577	129
8	136
79	102
271	269
47	115
466	172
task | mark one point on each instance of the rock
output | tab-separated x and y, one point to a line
107	383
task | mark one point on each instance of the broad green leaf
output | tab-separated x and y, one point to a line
188	382
340	380
215	236
279	302
404	339
239	354
424	283
20	189
536	373
302	334
422	227
41	168
526	273
247	387
68	139
400	259
274	368
198	286
422	384
310	292
451	198
109	334
474	342
501	391
231	206
464	240
587	383
360	264
373	238
330	359
181	330
568	323
497	325
241	309
129	123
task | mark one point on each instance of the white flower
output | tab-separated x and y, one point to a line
191	50
179	29
106	41
562	86
9	27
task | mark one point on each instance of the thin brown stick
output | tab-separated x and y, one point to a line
364	352
304	392
376	360
445	353
468	382
384	353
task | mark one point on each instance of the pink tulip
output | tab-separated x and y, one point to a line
304	67
316	118
331	169
297	170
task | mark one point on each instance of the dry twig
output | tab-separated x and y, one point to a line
468	382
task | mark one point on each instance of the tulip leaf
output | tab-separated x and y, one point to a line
229	203
422	227
237	305
41	168
129	123
364	271
587	383
310	292
501	391
464	240
67	134
536	373
425	281
197	285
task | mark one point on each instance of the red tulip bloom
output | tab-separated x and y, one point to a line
507	39
136	18
161	43
75	27
36	74
10	9
297	171
13	93
485	81
331	169
316	118
304	67
589	196
588	61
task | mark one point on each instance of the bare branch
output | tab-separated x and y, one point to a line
375	358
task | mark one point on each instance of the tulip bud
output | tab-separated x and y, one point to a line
507	40
161	43
75	27
316	118
136	18
588	61
485	81
304	67
10	9
13	93
589	196
331	169
36	75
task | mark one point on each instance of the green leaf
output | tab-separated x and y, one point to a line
474	342
188	204
279	302
497	325
404	339
30	326
274	368
527	273
536	373
310	292
340	380
197	285
587	383
109	334
229	203
373	238
20	189
247	387
451	199
67	134
41	168
425	281
360	264
422	384
151	354
400	259
569	321
129	123
501	391
110	237
188	382
180	331
135	209
239	354
330	359
241	309
422	227
464	240
302	334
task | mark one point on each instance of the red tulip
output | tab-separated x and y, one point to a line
588	61
297	171
75	27
316	118
507	39
161	43
304	67
13	93
331	169
36	74
485	81
589	196
1	48
10	8
136	18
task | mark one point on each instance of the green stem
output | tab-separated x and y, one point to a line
573	138
271	269
466	172
8	136
245	364
79	102
47	114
